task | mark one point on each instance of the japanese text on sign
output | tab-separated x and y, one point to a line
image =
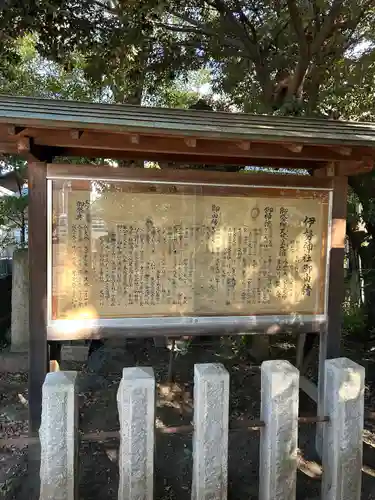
127	254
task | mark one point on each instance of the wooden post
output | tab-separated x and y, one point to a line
38	290
336	291
330	337
301	339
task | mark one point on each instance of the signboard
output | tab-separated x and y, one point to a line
124	250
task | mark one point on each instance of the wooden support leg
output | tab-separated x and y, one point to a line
305	351
330	337
38	290
95	345
170	376
260	347
54	356
300	350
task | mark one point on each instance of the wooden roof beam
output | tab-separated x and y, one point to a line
35	153
176	175
294	148
13	130
76	134
188	159
135	138
328	170
150	144
355	167
341	150
190	142
8	147
245	145
24	145
345	168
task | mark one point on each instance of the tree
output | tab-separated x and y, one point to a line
118	53
288	57
266	55
30	74
13	208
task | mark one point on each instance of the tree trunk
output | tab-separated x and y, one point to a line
364	244
367	254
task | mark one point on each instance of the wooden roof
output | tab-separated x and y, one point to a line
41	128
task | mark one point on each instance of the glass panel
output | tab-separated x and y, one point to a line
128	249
262	254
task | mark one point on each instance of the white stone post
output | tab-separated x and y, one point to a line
58	437
210	441
279	437
20	301
344	384
136	407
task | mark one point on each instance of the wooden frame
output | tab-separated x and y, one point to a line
39	130
39	172
330	337
228	184
38	289
105	172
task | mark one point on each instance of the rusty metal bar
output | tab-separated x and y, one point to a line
243	425
312	420
235	425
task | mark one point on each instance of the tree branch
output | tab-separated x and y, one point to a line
250	45
185	18
105	6
316	11
297	23
206	30
274	41
246	21
307	51
18	223
228	42
299	76
226	15
327	26
241	39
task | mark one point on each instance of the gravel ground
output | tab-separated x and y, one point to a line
98	462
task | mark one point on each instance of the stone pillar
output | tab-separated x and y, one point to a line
136	407
279	437
344	385
20	301
58	437
210	441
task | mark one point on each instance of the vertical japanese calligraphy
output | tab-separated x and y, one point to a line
308	248
72	256
80	237
133	253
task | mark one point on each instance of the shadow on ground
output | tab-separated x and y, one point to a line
98	462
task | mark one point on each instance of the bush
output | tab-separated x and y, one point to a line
354	323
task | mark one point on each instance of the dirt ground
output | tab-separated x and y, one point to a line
98	384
